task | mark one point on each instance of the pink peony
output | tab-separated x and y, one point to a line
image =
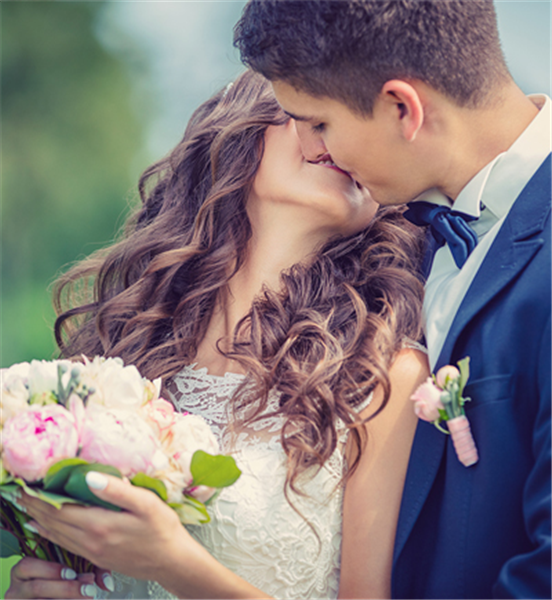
427	401
36	439
161	415
120	438
445	375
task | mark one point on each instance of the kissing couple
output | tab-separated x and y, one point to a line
274	280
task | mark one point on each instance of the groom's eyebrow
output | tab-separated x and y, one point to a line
297	117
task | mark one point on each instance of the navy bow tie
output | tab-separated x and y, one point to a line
447	225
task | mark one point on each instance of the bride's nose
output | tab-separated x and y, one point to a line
312	144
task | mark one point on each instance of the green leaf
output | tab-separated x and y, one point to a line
150	483
77	487
58	474
9	545
191	511
443	414
55	500
213	471
464	368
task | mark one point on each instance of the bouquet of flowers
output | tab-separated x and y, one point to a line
440	399
60	419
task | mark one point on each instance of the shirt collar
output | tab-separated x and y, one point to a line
500	182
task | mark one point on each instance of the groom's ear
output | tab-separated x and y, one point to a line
407	106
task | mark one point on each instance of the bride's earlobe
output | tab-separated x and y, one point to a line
408	105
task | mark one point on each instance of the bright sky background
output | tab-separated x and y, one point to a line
188	54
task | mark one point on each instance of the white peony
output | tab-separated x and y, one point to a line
43	379
14	392
114	385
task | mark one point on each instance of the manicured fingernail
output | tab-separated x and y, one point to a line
108	582
30	528
67	573
96	480
89	590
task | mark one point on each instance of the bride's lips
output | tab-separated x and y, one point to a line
326	161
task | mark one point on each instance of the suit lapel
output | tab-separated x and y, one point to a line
513	248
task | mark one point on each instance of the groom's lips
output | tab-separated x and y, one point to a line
326	161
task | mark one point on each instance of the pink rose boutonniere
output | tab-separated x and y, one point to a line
440	398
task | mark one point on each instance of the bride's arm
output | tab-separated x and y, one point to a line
373	493
146	541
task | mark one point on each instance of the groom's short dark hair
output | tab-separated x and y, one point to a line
347	49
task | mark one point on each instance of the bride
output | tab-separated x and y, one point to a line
276	301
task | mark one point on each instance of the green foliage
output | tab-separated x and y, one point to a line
58	474
9	545
69	139
77	487
191	511
150	483
213	471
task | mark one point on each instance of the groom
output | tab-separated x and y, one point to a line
414	100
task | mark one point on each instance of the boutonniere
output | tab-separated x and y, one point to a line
440	399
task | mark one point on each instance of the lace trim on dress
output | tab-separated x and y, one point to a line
254	530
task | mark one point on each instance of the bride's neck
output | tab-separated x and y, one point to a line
283	235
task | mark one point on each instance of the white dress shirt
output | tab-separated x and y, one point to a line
489	196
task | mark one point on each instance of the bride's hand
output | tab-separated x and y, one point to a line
34	578
135	541
146	541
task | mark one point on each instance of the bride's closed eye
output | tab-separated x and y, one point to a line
319	128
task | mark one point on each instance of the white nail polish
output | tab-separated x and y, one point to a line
89	590
30	528
96	480
68	574
108	582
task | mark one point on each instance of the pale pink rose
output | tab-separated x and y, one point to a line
188	434
445	375
14	392
114	385
36	439
174	481
120	438
427	401
201	492
161	415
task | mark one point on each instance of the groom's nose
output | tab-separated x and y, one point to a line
312	144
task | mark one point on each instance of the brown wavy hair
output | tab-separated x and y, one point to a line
323	341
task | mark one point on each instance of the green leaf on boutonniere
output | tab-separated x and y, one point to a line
213	471
464	368
77	487
191	511
58	474
150	483
443	414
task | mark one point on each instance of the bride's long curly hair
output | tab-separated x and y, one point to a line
323	341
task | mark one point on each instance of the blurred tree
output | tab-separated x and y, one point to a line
69	139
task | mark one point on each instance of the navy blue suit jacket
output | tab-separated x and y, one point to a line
484	531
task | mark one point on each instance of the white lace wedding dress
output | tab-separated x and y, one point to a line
254	531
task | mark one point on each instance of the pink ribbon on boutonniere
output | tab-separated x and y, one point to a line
440	398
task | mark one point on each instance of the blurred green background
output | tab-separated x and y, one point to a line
91	93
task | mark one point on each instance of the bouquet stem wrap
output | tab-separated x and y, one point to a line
463	441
